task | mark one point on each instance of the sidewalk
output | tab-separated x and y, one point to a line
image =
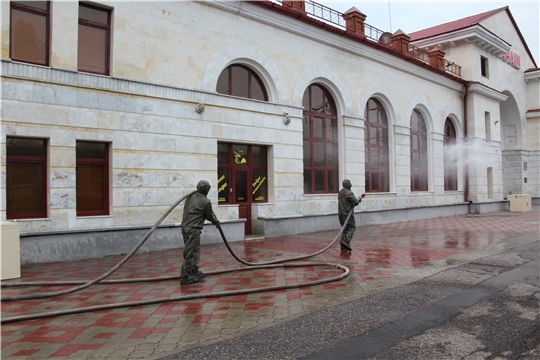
383	257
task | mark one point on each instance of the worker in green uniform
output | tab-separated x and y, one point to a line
197	209
346	202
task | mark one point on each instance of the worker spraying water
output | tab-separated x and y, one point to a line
197	209
347	201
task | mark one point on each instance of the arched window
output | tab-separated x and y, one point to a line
239	80
376	147
419	170
320	132
450	156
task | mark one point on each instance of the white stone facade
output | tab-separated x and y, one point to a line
166	58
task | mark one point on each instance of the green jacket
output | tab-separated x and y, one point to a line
197	209
346	201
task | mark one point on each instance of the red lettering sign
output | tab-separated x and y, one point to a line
512	59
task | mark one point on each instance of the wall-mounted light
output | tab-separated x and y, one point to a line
496	122
286	118
199	108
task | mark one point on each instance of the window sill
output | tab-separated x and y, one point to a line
385	194
27	63
30	219
321	195
93	216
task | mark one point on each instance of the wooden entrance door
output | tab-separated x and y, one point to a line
241	197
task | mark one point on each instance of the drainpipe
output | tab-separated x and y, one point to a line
466	139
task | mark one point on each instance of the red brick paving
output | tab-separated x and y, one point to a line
379	253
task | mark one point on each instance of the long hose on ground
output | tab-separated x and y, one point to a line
106	274
100	279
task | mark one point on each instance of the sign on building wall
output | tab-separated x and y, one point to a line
511	58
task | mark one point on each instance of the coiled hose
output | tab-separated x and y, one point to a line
101	279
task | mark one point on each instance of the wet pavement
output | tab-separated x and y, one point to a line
413	265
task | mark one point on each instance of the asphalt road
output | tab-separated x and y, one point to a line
484	309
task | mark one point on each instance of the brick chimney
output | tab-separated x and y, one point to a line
354	20
400	41
436	58
295	4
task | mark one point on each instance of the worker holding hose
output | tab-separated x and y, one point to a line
197	209
347	201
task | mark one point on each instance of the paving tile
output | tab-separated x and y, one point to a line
383	256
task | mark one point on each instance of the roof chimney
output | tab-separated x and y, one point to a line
295	4
354	20
400	41
436	58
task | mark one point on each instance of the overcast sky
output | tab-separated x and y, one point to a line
413	16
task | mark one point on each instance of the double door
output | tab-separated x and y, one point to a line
242	177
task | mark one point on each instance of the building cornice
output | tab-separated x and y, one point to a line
475	35
533	113
486	91
532	75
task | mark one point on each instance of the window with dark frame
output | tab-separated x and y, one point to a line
94	39
450	156
376	147
92	173
241	81
26	178
29	32
419	163
320	144
484	65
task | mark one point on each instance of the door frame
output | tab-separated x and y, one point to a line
240	158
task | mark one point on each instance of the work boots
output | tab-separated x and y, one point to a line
192	279
345	246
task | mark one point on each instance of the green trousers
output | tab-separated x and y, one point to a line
349	230
192	252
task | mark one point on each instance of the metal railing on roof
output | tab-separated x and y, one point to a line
324	14
334	18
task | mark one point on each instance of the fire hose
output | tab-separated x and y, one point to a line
82	284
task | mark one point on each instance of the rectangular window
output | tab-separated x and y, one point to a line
94	39
26	178
487	122
490	182
29	33
484	66
92	178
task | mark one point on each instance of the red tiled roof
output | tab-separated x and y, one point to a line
454	25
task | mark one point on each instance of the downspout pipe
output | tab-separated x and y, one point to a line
466	139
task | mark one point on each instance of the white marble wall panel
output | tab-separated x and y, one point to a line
164	57
87	99
59	219
93	222
26	112
34	225
61	199
533	172
62	177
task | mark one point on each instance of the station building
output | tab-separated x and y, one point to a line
112	111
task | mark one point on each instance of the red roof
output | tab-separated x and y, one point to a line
454	25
